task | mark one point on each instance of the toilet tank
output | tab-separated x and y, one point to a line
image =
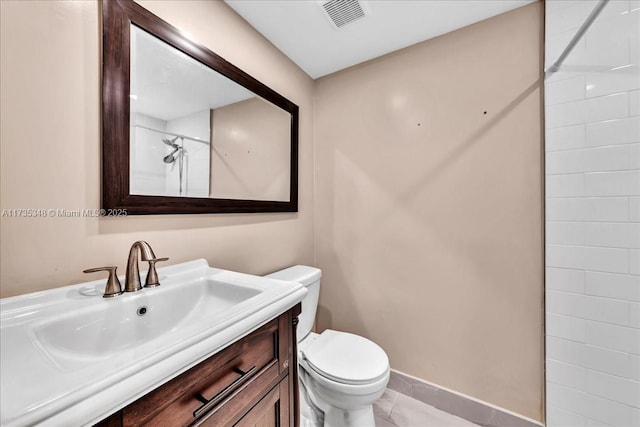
309	277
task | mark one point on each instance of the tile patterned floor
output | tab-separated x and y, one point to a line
394	409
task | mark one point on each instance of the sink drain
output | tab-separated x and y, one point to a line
142	310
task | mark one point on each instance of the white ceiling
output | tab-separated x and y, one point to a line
303	32
167	84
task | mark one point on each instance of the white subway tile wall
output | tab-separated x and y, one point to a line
592	168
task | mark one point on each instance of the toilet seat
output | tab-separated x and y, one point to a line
346	358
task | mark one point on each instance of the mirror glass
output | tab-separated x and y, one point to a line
195	133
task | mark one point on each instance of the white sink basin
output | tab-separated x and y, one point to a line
70	357
137	318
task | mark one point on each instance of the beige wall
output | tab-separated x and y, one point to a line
429	211
50	150
250	156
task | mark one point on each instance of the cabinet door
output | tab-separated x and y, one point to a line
271	411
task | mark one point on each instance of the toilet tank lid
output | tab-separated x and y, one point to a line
298	273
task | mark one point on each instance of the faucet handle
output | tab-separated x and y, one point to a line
113	287
152	275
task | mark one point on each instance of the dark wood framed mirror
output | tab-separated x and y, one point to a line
185	131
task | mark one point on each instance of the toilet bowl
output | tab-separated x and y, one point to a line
340	374
343	375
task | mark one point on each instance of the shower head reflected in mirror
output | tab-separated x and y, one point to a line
179	153
171	157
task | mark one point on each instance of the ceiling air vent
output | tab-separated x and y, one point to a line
343	12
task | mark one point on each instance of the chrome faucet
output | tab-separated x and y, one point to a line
132	281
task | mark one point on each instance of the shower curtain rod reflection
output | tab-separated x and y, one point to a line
574	41
173	134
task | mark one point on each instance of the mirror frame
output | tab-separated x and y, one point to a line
117	17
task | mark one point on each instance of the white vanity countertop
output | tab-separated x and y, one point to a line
48	378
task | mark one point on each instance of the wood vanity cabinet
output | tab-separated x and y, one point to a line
252	382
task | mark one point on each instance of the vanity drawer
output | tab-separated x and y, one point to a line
270	411
250	364
235	410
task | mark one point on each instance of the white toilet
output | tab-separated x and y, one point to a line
341	374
